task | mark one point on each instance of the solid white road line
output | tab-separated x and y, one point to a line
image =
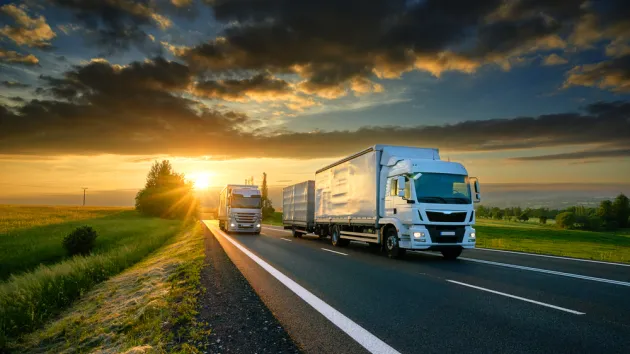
557	257
518	298
343	254
286	239
546	271
358	333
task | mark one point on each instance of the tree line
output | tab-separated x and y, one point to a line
609	215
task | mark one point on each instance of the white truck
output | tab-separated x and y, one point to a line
396	198
240	209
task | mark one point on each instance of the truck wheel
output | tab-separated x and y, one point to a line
295	232
451	253
391	244
336	239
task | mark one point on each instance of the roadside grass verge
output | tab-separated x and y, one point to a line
150	307
274	219
546	239
23	248
30	299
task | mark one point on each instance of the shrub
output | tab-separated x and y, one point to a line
80	241
594	223
565	220
542	219
523	217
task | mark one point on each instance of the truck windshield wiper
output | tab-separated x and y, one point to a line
443	200
460	199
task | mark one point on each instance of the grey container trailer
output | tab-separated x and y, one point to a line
298	208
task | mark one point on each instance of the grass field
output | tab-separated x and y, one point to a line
275	219
35	293
547	239
149	308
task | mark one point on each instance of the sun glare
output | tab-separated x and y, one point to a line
201	181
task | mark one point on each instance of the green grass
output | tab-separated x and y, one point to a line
24	247
548	239
29	299
274	219
150	307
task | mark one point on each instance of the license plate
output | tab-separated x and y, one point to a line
447	233
244	225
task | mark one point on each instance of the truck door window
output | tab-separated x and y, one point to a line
393	187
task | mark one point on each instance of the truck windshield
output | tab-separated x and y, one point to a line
239	201
443	188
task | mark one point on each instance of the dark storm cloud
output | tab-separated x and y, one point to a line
134	109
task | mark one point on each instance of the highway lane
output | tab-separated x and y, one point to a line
426	304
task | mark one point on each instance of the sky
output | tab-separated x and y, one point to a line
519	91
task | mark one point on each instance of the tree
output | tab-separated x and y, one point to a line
523	217
542	219
621	210
606	214
167	194
267	208
565	220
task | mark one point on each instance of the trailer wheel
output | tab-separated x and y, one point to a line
391	244
295	233
451	253
335	237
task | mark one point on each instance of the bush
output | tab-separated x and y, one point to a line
594	223
565	220
523	217
542	219
80	241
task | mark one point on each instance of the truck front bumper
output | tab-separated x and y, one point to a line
236	227
432	237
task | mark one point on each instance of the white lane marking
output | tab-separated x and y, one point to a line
358	333
343	254
286	239
570	275
275	229
518	298
557	257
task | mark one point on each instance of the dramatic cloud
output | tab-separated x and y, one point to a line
27	31
259	87
554	59
143	108
611	75
13	57
579	155
117	24
13	84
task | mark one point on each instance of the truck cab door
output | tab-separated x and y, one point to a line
396	204
390	196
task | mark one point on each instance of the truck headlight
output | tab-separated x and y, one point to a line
232	225
418	234
258	225
472	235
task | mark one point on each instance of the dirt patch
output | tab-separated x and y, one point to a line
240	321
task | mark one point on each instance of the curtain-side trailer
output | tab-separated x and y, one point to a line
396	197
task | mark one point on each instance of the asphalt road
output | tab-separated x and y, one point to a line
485	302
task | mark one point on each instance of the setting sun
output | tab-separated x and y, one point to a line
201	181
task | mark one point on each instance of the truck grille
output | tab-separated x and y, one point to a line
246	218
442	217
435	231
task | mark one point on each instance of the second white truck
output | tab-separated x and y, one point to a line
240	209
394	197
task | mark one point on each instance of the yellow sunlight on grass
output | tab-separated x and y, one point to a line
201	181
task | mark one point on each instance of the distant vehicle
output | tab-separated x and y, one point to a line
240	209
396	197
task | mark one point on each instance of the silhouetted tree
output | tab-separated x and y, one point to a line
267	208
167	194
542	219
621	210
523	217
606	213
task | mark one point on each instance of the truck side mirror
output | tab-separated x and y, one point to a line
401	186
477	190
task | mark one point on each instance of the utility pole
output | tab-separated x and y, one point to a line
83	195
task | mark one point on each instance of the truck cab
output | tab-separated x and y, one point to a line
240	209
430	203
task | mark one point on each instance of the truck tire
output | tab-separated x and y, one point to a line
391	244
295	232
335	238
451	253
